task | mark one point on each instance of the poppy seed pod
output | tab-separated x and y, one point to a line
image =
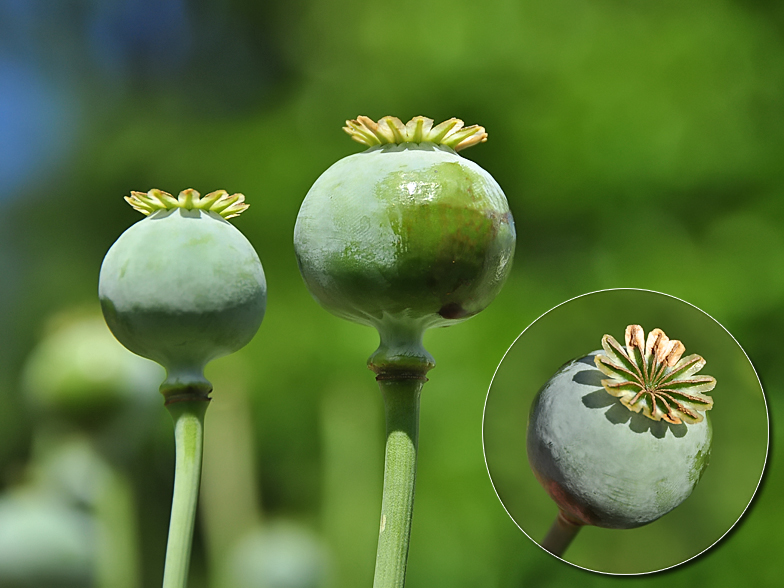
624	444
183	286
406	235
80	373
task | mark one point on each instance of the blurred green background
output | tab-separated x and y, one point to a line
639	144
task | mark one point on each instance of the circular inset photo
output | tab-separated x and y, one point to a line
625	431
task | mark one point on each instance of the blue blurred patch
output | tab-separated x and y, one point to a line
139	37
35	124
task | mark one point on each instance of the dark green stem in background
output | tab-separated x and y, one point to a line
560	534
401	404
188	415
118	553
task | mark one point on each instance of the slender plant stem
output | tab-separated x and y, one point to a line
560	534
188	418
401	404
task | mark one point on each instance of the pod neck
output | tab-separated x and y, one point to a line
185	384
400	354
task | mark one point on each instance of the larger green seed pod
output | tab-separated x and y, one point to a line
406	235
402	237
623	451
183	286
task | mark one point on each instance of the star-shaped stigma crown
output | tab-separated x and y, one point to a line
219	202
420	129
652	377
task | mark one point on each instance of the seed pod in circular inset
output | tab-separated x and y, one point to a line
626	454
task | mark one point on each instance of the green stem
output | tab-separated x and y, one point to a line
560	534
401	403
188	418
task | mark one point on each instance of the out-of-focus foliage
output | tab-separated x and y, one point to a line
639	144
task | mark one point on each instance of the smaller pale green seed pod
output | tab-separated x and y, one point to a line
624	444
183	286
